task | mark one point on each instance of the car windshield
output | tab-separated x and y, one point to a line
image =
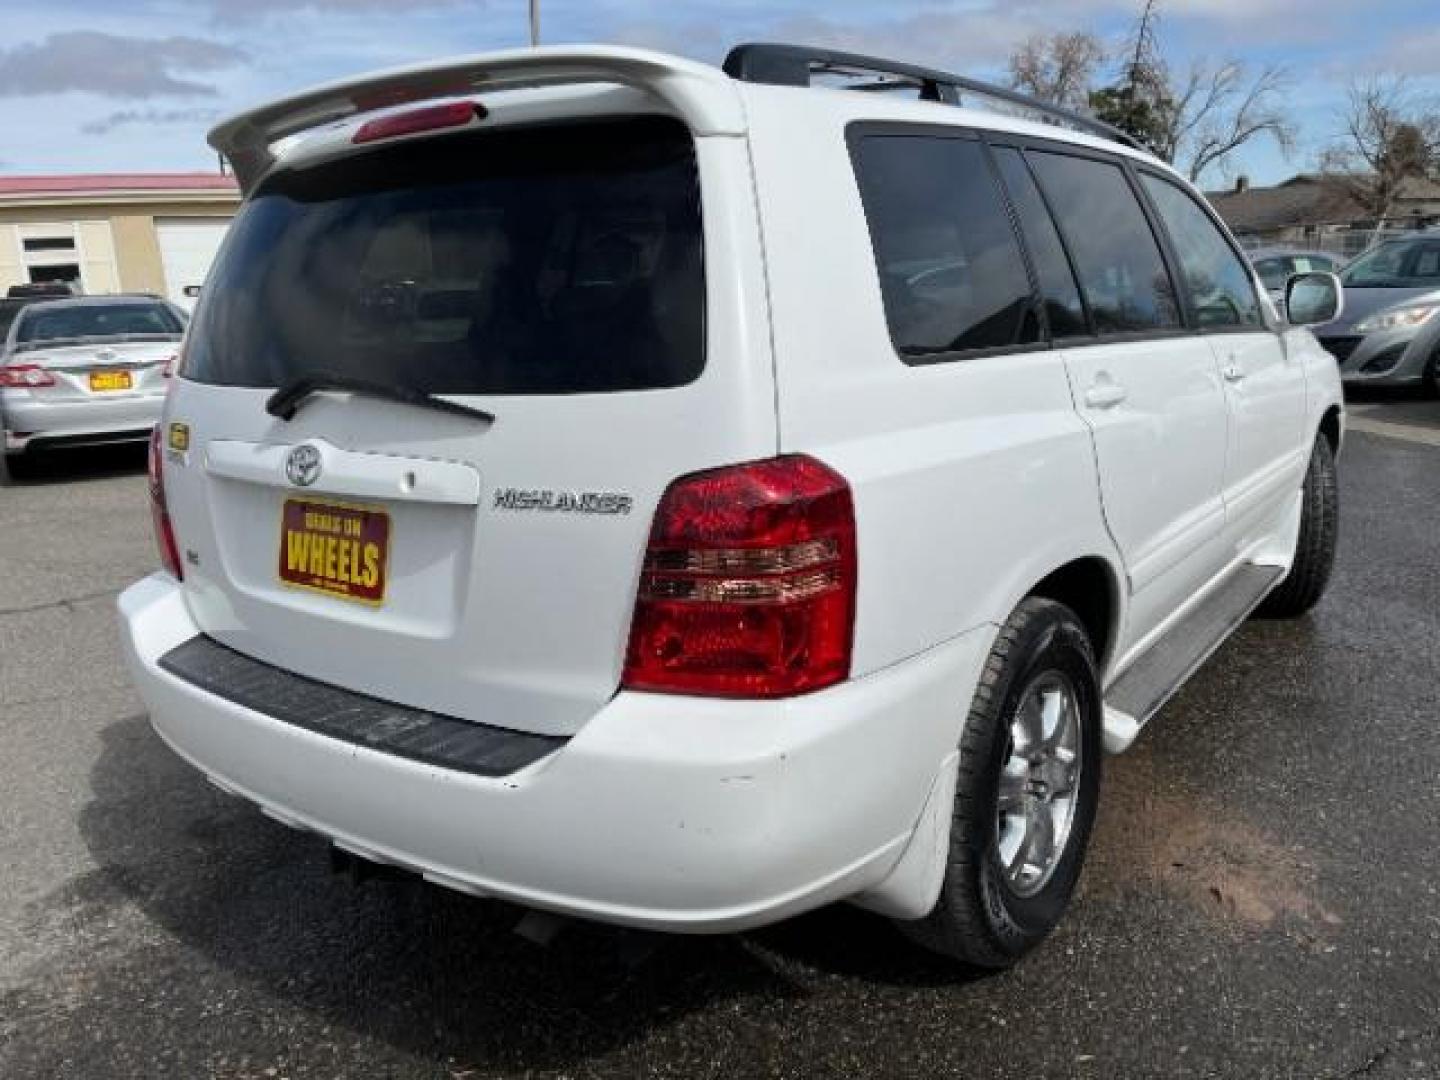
1273	272
87	322
1398	264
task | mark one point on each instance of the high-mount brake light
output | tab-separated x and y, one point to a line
748	586
25	376
414	121
159	511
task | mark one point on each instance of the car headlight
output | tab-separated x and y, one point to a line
1396	318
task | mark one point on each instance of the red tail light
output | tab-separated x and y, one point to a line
159	512
748	587
25	376
413	121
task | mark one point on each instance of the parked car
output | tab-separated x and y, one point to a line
84	371
1389	335
9	308
1277	265
661	498
39	290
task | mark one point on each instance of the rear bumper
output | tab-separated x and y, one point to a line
29	422
667	813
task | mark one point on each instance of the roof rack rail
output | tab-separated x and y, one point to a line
795	65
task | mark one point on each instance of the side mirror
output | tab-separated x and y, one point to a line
191	291
1312	299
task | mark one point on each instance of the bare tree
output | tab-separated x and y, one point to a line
1057	68
1218	110
1388	136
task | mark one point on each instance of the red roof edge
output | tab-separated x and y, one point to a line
108	183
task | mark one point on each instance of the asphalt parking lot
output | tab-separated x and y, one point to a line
1262	896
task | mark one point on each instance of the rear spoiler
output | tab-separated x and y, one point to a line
703	96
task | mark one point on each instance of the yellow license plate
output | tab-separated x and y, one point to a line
338	549
110	380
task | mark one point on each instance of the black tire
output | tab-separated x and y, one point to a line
1432	375
980	919
1315	549
19	466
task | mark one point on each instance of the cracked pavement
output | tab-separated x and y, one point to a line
1262	897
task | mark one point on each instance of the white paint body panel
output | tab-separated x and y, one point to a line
1161	458
972	481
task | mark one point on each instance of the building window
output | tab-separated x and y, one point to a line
50	243
63	273
51	254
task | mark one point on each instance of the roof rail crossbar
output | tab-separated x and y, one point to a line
797	65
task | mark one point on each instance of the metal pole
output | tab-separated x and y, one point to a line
534	22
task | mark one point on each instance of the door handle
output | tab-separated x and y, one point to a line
1233	372
1104	394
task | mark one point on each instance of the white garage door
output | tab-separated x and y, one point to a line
187	248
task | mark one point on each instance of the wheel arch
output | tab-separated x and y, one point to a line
1331	428
1090	587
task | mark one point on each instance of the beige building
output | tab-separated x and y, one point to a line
147	232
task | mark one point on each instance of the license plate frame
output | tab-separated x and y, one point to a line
345	567
110	381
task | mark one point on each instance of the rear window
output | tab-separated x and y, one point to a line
88	321
558	259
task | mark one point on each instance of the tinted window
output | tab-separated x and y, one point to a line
1217	279
1057	284
1119	263
1398	264
139	319
556	259
951	273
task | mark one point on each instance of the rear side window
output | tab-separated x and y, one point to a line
558	259
1063	308
1218	282
1116	255
951	274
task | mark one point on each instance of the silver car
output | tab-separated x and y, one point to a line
85	371
1276	265
1390	332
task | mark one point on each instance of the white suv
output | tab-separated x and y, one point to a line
684	497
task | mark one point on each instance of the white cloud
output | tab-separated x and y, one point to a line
114	65
148	118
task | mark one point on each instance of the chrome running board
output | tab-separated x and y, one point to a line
1154	678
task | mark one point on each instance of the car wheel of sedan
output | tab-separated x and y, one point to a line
1028	788
1432	375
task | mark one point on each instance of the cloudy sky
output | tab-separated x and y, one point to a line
109	85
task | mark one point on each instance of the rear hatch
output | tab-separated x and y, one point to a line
552	275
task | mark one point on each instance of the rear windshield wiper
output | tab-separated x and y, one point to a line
286	401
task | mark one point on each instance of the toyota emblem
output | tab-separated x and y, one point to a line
302	465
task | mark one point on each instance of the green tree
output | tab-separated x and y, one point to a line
1140	102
